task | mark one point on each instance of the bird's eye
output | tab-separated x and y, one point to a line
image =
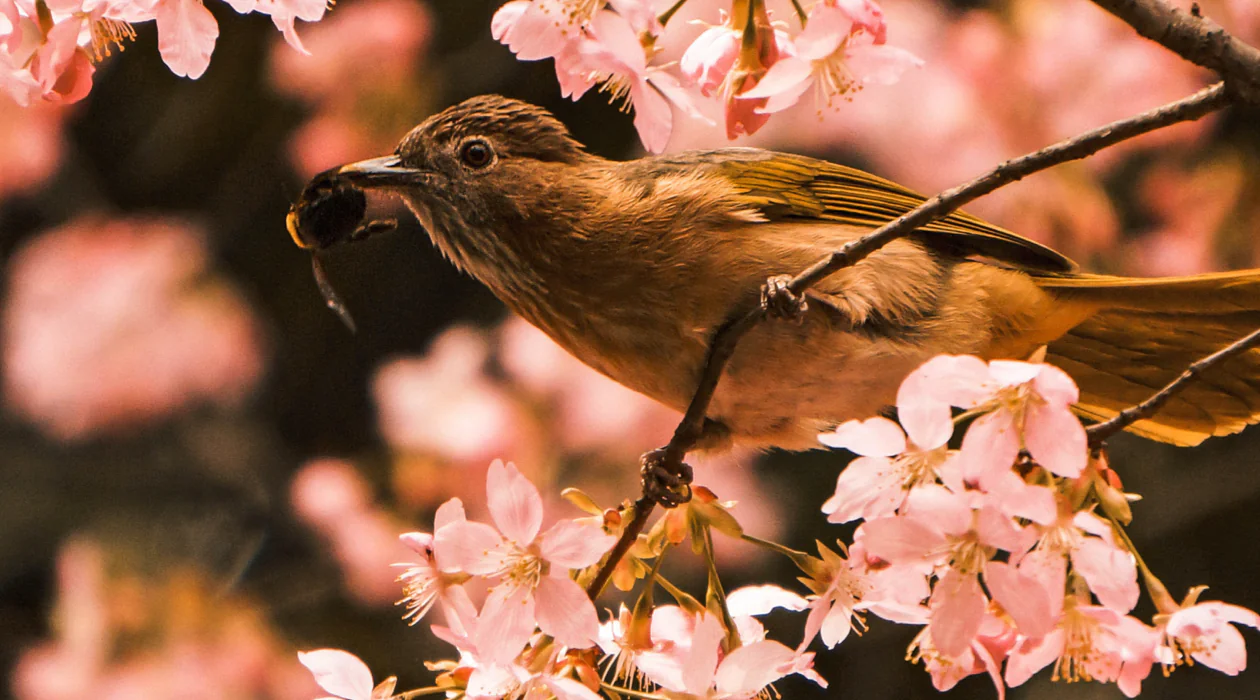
476	154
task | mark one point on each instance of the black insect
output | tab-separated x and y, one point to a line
331	212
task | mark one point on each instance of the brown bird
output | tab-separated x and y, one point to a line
631	266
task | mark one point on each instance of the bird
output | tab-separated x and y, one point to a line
632	265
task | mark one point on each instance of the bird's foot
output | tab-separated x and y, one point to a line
666	479
778	300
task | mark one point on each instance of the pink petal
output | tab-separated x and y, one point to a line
788	76
505	625
672	624
827	28
514	503
901	539
1211	614
569	689
339	672
1032	655
925	416
1056	439
709	58
702	662
759	600
449	512
957	610
186	35
874	437
491	681
881	65
869	487
662	668
285	23
575	545
947	511
1110	572
613	35
960	380
652	117
996	529
990	445
1014	372
1055	386
1016	497
531	32
836	625
468	546
419	542
565	612
867	15
1023	598
1225	651
752	667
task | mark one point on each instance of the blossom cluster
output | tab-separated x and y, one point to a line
49	48
1008	552
750	64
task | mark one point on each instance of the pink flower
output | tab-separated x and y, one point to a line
116	324
1088	541
186	35
344	675
836	54
534	587
1203	632
876	484
711	56
698	669
424	582
983	654
610	53
1087	643
1028	406
939	527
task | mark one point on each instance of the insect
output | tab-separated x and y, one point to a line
330	212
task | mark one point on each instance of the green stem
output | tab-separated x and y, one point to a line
801	559
1163	600
718	593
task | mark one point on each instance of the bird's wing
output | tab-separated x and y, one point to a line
783	186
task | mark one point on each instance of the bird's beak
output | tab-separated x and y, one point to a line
386	171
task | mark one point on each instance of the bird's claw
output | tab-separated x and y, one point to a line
778	300
666	480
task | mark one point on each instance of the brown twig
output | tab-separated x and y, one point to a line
1196	39
728	335
642	509
1100	432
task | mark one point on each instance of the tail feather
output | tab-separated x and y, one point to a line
1146	333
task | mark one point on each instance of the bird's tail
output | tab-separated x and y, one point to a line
1146	332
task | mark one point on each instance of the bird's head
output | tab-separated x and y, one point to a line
472	174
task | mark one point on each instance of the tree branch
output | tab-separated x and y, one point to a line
1100	432
728	335
1196	39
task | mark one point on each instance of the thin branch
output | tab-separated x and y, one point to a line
1099	433
1196	39
728	335
642	509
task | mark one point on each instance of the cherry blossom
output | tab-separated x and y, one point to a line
534	588
700	669
1203	632
836	53
424	582
891	461
344	675
983	654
